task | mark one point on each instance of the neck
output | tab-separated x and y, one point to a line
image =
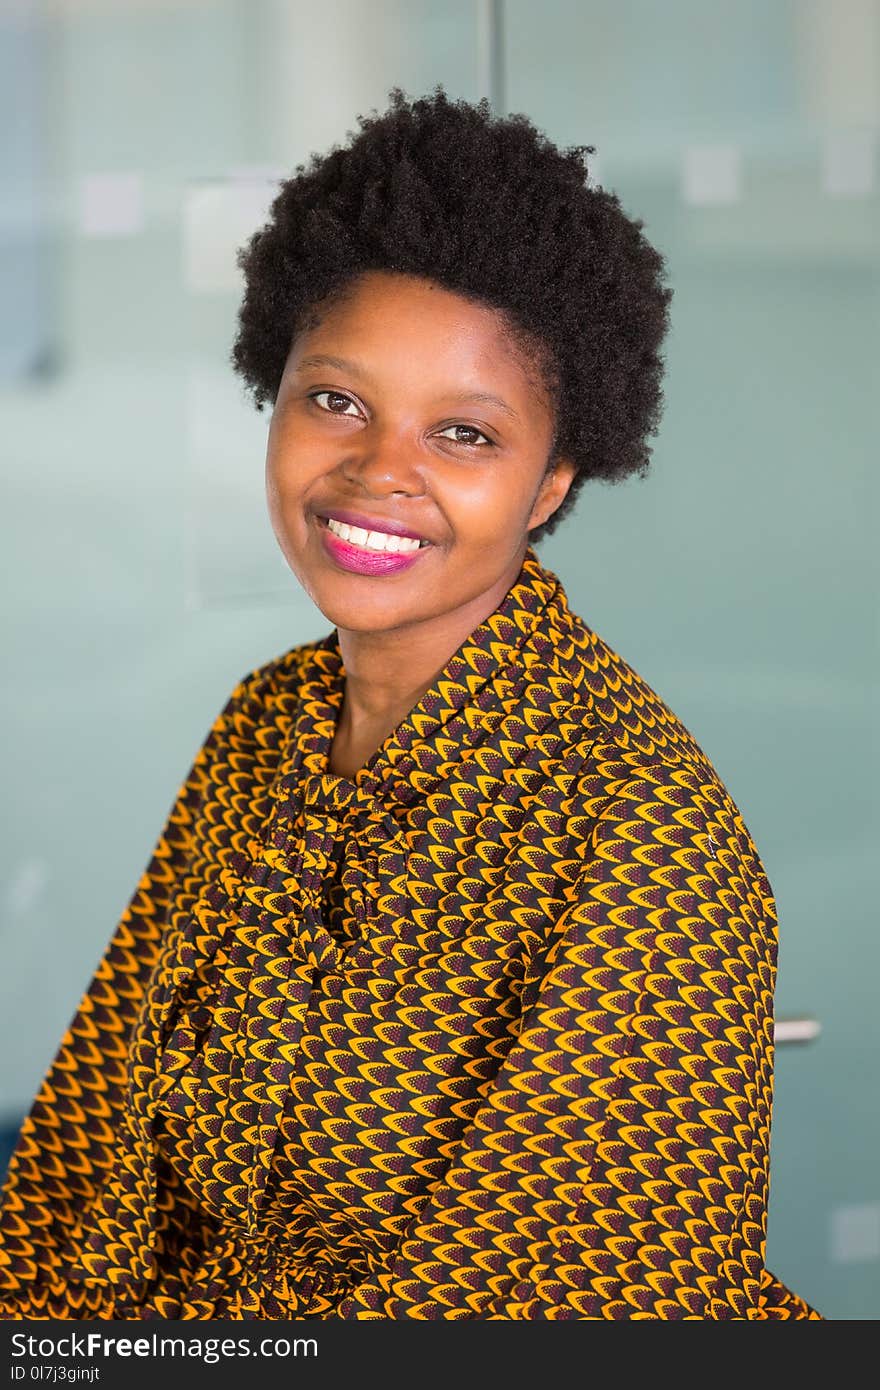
387	673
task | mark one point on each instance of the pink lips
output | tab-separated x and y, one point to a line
358	560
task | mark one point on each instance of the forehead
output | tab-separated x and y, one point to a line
414	327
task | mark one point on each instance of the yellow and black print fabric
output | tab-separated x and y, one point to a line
485	1032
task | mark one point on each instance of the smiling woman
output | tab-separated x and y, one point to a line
448	989
375	451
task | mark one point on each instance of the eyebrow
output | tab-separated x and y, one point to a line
343	364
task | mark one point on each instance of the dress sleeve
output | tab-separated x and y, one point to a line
65	1143
618	1165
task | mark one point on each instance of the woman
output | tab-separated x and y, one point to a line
448	990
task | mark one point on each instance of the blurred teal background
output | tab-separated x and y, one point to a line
141	145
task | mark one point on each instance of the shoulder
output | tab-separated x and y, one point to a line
260	707
281	676
634	757
606	703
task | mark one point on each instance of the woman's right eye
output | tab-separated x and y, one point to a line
334	396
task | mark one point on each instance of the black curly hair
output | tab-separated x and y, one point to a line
489	208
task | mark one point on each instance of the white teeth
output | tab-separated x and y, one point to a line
372	540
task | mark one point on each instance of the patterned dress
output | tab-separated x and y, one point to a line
485	1032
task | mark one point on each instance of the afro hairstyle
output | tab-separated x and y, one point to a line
491	209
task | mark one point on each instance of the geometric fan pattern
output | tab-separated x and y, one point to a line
484	1032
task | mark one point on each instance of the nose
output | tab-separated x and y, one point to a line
382	462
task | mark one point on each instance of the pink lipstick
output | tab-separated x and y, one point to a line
359	559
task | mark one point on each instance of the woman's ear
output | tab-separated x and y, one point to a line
553	490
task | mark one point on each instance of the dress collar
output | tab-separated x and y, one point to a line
478	685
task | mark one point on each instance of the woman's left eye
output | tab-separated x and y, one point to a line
468	429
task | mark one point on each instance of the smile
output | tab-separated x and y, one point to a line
382	541
371	553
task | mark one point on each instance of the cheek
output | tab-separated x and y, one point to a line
273	498
492	501
288	452
274	488
287	471
284	499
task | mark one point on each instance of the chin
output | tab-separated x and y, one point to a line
355	619
353	613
